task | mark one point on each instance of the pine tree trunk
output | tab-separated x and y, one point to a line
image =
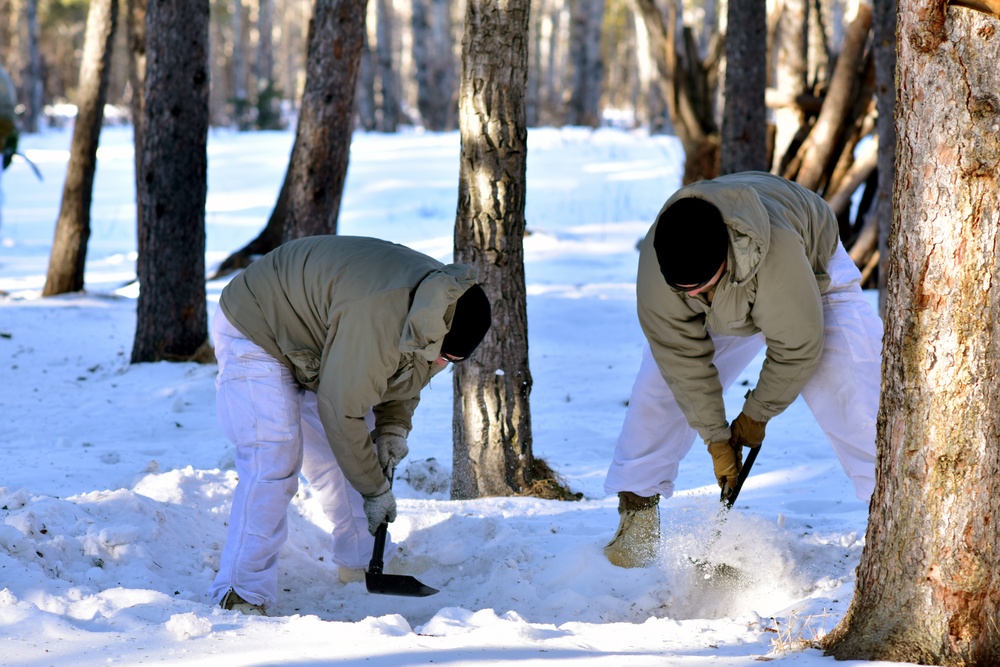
492	422
171	318
322	147
586	20
33	78
884	49
790	40
69	249
136	41
927	588
744	117
388	75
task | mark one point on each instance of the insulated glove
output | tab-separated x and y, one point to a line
728	461
391	448
746	431
380	509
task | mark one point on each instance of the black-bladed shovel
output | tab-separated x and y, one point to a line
391	584
727	498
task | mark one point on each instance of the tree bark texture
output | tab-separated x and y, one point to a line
744	117
69	249
323	138
388	73
587	67
928	585
492	423
434	64
884	49
171	321
136	41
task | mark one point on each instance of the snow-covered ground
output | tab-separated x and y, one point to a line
115	481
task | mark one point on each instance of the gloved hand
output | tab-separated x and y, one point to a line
727	460
391	448
746	431
380	509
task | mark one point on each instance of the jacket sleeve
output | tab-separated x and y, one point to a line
362	354
789	312
684	352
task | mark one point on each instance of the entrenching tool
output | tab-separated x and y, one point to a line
728	497
391	584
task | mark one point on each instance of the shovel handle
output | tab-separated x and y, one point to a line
730	498
378	551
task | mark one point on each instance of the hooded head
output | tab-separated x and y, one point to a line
473	317
691	242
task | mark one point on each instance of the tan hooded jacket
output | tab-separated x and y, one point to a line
359	321
782	237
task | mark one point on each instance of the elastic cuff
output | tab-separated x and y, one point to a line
628	501
392	429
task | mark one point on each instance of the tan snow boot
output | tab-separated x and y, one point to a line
638	538
234	602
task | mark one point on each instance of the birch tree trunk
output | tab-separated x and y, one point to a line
69	249
171	312
492	423
927	589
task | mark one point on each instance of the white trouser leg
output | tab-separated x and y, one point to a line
343	506
257	404
656	435
843	393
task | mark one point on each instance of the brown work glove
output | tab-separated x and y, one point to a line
727	460
746	432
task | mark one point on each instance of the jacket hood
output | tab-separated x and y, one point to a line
433	308
744	215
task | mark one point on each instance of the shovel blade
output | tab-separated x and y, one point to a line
397	584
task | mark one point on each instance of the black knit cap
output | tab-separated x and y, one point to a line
472	320
691	242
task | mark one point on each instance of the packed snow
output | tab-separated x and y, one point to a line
116	481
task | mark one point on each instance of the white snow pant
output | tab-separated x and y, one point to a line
274	424
843	395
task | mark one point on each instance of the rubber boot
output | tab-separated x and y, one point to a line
637	541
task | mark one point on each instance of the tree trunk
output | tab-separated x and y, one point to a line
492	422
824	138
744	118
687	89
587	67
33	79
435	64
238	62
69	249
136	24
388	74
171	320
927	588
318	166
884	51
791	68
364	102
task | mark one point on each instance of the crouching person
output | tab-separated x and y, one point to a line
733	265
324	345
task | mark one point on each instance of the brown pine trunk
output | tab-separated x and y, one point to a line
69	249
171	317
136	24
318	166
927	589
744	118
492	422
